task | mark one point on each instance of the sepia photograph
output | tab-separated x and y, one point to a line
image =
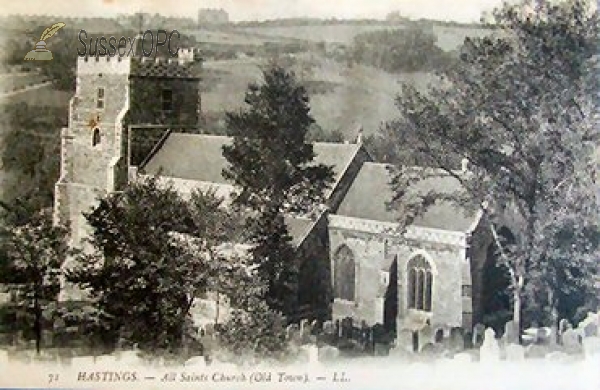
300	194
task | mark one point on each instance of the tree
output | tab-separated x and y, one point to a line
35	253
272	165
254	332
31	153
408	49
149	263
519	107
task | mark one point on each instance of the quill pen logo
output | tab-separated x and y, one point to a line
40	53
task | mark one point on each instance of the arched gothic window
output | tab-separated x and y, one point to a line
420	281
344	274
96	137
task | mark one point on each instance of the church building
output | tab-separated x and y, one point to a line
132	117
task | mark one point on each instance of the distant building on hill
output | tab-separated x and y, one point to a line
212	16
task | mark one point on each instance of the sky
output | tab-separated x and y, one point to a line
458	10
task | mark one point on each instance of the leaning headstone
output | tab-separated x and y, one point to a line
489	351
515	353
590	330
590	324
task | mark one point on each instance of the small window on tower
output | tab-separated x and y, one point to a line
96	137
167	100
100	100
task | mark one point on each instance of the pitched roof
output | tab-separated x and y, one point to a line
199	157
370	193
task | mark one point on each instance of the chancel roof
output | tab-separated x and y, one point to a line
370	194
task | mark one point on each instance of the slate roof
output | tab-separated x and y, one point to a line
199	157
198	160
370	192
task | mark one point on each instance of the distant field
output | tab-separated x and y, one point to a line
46	96
11	82
337	33
350	97
449	38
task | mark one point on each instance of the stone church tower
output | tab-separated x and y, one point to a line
112	96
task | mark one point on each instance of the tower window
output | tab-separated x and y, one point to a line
100	100
167	100
96	137
420	280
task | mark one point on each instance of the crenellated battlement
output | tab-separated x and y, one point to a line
103	64
163	67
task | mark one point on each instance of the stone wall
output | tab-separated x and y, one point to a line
374	253
147	101
314	289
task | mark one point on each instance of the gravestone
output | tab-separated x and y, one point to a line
426	335
428	350
489	351
511	333
558	356
347	326
439	336
463	358
515	353
589	325
303	325
293	333
381	349
478	335
314	327
209	329
405	340
590	329
306	331
328	328
457	341
544	336
571	341
328	353
591	346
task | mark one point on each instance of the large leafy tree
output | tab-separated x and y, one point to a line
519	107
34	253
149	262
271	163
